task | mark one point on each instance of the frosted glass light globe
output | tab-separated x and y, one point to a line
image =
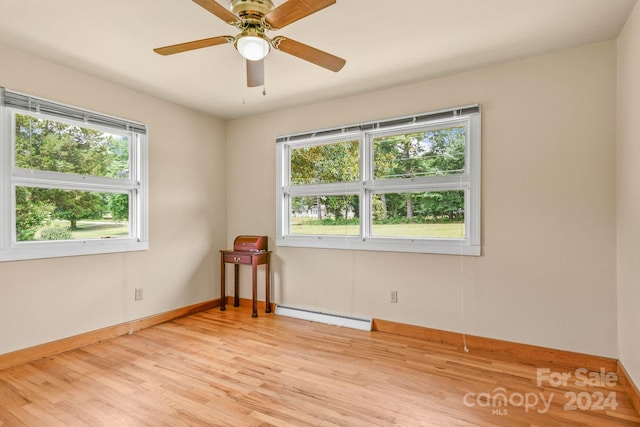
253	48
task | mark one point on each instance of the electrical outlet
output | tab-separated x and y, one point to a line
139	294
394	296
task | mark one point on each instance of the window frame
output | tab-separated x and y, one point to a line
12	177
469	182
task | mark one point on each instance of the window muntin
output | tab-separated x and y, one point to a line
431	162
72	182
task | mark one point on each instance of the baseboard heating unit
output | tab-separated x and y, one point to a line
327	318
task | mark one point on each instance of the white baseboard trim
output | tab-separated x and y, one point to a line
327	318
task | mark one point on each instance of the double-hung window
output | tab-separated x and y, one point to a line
72	181
407	184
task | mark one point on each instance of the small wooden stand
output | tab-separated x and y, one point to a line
253	257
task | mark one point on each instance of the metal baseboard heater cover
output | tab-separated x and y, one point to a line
327	318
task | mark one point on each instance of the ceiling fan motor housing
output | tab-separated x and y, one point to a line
251	9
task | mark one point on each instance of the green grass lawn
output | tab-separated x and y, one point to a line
404	230
455	230
96	229
340	230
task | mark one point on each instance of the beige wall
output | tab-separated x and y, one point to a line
629	195
547	275
45	300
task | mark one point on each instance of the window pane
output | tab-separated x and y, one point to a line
409	155
323	164
419	214
53	214
48	145
325	215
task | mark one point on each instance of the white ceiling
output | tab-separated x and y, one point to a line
385	42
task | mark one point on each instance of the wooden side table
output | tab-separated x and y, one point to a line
254	259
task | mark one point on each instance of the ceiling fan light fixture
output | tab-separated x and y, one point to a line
253	18
253	47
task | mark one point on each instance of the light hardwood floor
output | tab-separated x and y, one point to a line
225	368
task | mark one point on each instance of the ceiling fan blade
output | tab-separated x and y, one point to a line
220	11
196	44
293	10
308	53
255	73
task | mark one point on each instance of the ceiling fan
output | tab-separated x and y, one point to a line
254	18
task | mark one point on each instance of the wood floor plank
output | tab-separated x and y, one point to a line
228	369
